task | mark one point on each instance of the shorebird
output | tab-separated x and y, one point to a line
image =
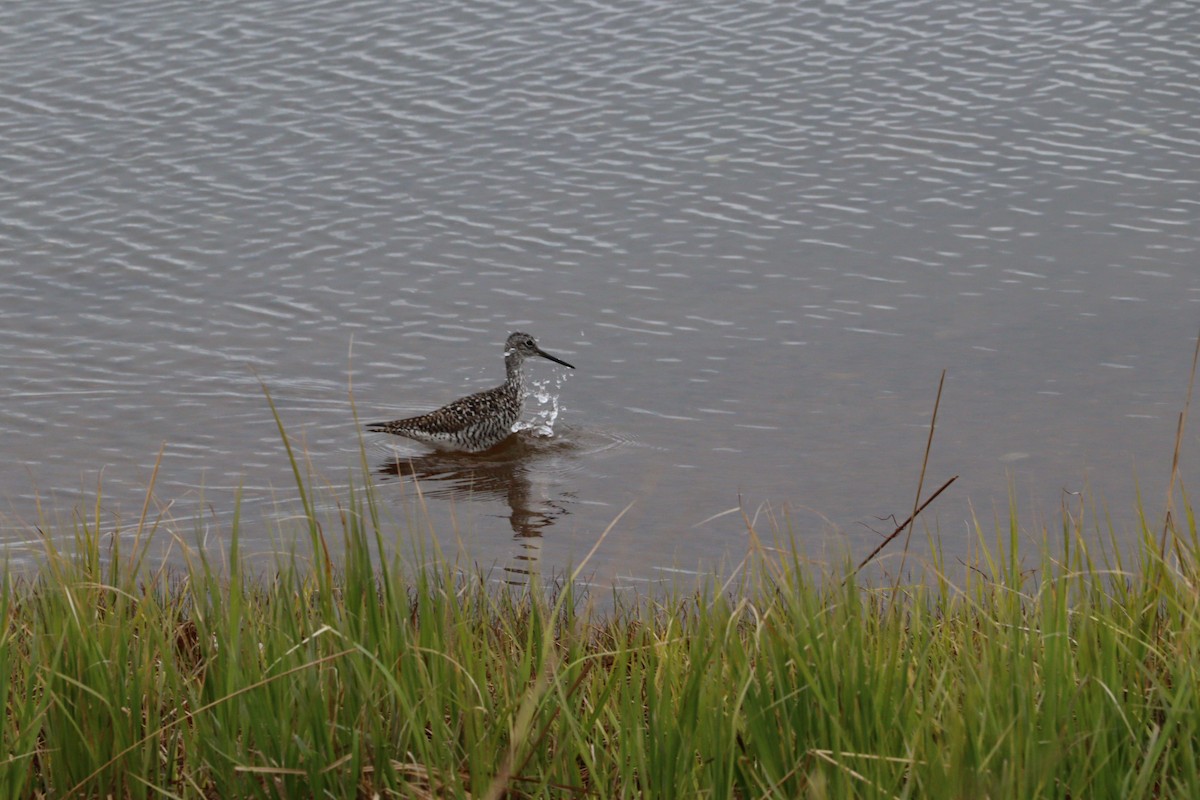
479	421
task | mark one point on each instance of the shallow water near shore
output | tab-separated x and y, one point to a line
759	233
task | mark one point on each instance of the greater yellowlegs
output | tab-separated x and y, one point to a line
481	420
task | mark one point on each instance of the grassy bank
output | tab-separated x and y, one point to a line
1037	670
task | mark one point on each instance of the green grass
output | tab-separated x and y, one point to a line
1045	666
1038	670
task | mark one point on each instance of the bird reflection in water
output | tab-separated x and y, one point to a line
510	473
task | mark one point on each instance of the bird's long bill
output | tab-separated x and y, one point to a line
544	354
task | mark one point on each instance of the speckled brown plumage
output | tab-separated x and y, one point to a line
481	420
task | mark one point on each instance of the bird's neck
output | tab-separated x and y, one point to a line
513	364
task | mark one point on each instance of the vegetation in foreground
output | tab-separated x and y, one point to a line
1058	673
1065	675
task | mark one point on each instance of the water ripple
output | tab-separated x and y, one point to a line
194	195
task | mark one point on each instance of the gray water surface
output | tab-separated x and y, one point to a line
759	230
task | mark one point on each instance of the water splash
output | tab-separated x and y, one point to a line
545	395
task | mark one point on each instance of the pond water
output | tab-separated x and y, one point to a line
760	231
